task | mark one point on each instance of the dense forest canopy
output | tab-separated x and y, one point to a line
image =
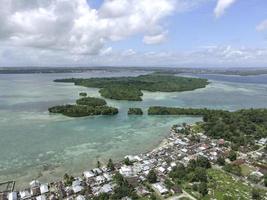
85	107
82	111
135	111
91	101
241	127
130	88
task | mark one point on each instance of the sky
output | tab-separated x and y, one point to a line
172	33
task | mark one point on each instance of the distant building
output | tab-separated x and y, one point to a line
160	187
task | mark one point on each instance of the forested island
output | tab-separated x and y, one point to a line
85	107
135	111
242	127
130	88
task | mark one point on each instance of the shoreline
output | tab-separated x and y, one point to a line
49	177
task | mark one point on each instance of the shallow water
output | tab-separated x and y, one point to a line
35	144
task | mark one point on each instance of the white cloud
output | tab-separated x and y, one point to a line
262	26
128	52
155	39
74	27
221	6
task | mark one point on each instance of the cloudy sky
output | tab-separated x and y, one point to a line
182	33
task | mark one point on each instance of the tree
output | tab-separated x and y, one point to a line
265	180
118	178
255	194
152	177
68	179
168	183
102	196
111	165
98	164
203	162
203	188
232	155
200	174
221	161
127	161
191	165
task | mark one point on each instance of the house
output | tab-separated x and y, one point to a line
35	191
41	197
176	190
142	191
80	197
97	171
257	174
126	171
35	183
160	187
107	188
44	188
107	176
100	180
133	180
24	194
3	196
88	174
12	196
77	189
262	141
161	170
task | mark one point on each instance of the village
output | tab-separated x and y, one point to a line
179	148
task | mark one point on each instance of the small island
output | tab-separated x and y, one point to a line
86	106
135	111
242	127
130	88
83	94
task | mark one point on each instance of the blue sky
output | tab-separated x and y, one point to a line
199	28
224	33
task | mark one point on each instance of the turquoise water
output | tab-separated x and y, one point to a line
35	144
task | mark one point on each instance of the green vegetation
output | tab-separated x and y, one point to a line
91	101
121	92
152	177
232	155
135	111
67	179
221	161
127	161
83	94
123	188
195	174
82	111
232	168
224	186
111	165
241	127
85	107
130	88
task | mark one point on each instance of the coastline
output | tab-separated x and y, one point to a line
48	175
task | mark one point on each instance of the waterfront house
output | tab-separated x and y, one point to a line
35	183
25	194
97	171
35	191
44	188
88	174
13	196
